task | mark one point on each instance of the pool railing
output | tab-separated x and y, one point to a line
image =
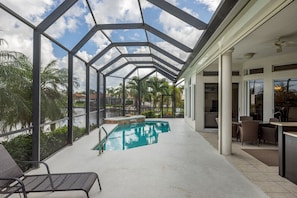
101	148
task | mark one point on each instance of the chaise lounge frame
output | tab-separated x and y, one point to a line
13	180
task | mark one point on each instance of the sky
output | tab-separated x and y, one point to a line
77	21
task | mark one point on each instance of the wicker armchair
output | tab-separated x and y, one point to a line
242	118
235	131
249	131
269	132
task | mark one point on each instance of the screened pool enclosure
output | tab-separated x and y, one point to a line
66	65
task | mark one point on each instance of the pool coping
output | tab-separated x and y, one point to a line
125	119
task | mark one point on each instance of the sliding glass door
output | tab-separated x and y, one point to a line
211	104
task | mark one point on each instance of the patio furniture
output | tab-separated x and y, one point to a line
241	118
269	132
235	131
249	131
13	179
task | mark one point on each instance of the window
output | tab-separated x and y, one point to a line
256	99
283	67
190	101
285	99
211	104
193	101
189	105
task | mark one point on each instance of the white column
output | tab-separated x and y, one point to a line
268	96
226	103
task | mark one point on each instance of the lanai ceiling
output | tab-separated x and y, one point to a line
125	38
277	36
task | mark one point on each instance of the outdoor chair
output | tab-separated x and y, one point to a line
249	131
269	132
235	131
241	118
13	179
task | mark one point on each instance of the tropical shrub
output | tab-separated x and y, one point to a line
20	147
149	114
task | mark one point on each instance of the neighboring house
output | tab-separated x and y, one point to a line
79	97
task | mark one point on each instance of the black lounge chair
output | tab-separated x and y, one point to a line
13	179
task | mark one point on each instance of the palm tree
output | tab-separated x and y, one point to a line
54	83
111	94
119	91
178	95
143	91
16	90
159	87
132	87
2	42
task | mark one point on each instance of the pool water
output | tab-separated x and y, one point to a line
134	135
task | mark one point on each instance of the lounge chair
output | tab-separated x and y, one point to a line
13	179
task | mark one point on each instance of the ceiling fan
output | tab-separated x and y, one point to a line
280	43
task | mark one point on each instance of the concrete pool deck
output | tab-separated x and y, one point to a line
181	164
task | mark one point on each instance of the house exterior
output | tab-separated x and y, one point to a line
247	67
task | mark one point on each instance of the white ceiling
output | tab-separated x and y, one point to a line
261	41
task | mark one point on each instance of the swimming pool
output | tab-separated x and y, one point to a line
129	136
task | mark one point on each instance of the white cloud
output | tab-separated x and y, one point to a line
33	10
89	20
173	50
47	54
21	40
211	4
84	55
19	43
57	30
145	4
165	58
113	82
142	50
124	71
69	21
79	72
187	10
173	2
111	54
107	11
100	40
63	62
19	36
72	24
179	30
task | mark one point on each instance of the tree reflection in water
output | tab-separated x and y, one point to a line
135	135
